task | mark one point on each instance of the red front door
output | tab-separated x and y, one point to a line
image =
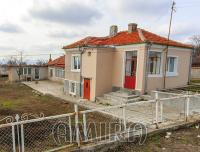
130	70
86	89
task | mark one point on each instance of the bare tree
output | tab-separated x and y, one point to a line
196	41
41	62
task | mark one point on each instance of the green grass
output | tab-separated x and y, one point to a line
8	104
195	81
156	140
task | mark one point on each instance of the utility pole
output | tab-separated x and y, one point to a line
173	9
21	58
20	65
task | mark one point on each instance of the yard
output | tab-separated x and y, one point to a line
185	140
17	98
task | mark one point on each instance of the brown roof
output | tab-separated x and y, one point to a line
59	62
125	38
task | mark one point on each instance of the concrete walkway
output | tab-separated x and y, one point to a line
135	113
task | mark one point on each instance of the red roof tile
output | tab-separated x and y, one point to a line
124	38
59	62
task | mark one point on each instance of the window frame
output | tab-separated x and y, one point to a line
70	90
25	68
59	73
29	68
51	72
161	64
72	63
175	73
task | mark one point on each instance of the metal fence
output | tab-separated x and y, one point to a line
23	133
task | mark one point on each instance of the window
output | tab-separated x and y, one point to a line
25	71
51	72
75	63
29	71
60	73
154	63
72	88
172	65
131	63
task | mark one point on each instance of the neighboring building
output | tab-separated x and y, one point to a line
28	72
56	69
134	59
196	68
3	70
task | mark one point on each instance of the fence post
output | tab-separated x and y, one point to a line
187	107
70	129
18	133
161	111
85	127
22	137
124	117
76	124
13	138
156	96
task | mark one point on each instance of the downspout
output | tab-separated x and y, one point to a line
149	44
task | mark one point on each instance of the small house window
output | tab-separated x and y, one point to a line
51	72
72	88
60	73
29	71
75	63
154	62
25	71
172	65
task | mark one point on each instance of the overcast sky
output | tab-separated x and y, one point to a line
44	26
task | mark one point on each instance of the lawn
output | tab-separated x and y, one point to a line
17	98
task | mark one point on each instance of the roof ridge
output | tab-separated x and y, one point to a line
141	35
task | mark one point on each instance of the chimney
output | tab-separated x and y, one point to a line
113	30
132	27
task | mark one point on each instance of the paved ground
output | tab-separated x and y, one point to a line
135	113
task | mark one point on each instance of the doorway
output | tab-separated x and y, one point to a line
37	73
130	69
86	89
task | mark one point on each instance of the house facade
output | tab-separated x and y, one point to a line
56	69
27	72
3	70
134	59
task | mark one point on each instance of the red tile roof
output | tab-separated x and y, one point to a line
59	62
125	38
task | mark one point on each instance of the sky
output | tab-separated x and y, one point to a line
40	27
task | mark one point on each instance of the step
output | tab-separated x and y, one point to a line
134	100
118	94
104	101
